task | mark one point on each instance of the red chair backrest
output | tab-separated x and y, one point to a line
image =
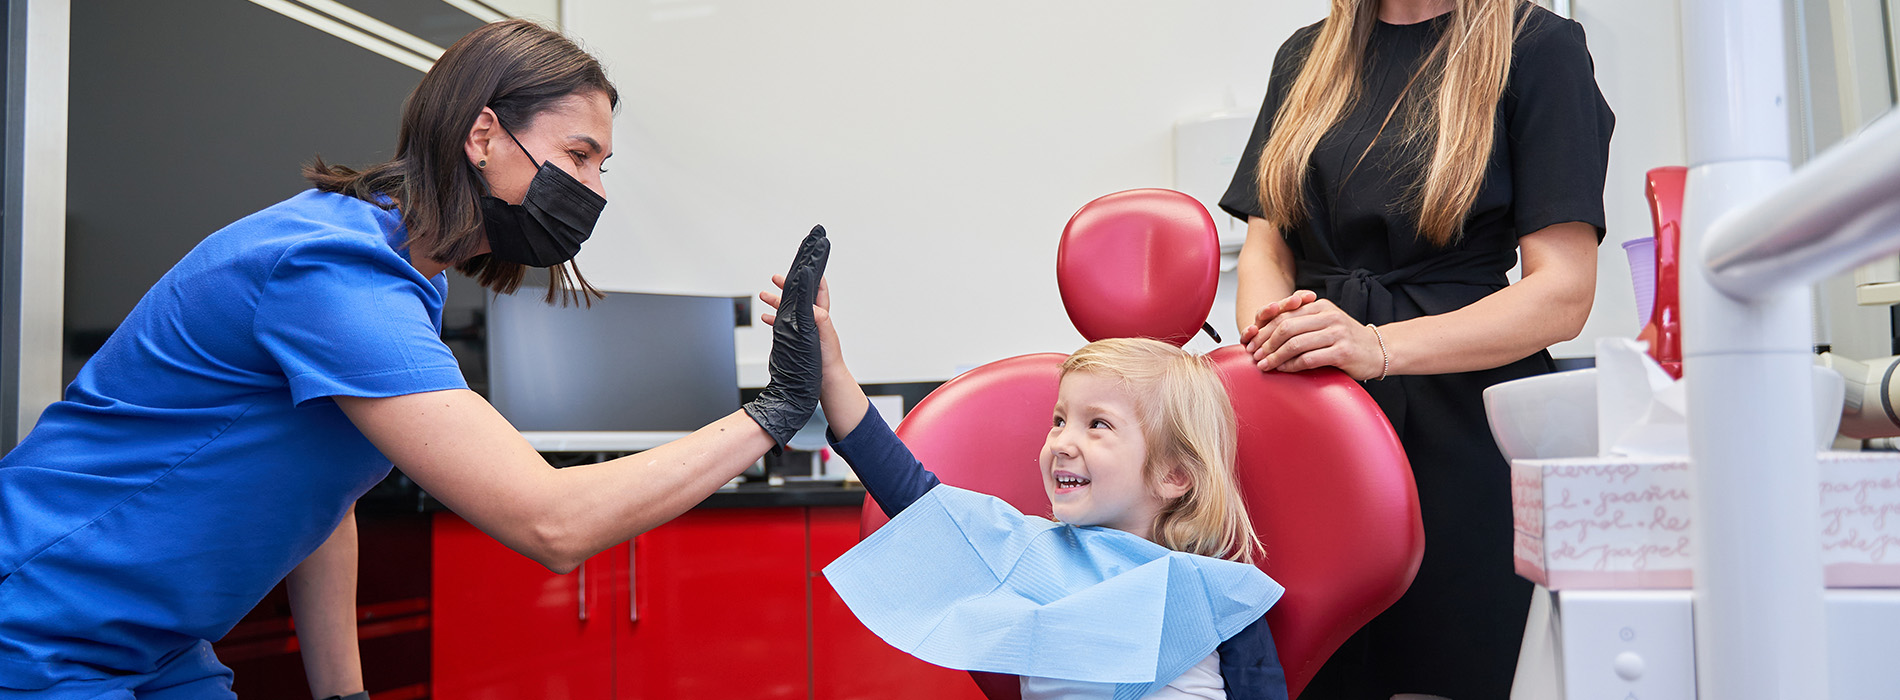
1330	493
1324	477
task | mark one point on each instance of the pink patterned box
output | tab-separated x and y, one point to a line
1626	523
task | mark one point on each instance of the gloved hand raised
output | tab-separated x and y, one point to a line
791	395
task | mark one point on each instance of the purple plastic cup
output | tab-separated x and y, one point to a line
1642	254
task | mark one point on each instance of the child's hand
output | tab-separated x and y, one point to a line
832	354
842	398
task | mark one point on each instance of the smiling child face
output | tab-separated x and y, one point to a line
1092	461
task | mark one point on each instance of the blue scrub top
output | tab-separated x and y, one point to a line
197	457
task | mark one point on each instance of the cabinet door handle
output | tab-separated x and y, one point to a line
633	587
583	591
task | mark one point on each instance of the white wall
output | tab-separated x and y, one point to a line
943	144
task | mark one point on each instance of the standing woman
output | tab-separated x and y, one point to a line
1407	151
215	444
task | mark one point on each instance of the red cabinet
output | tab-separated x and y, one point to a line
718	603
506	627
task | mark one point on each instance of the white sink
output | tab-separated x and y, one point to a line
1555	415
1548	416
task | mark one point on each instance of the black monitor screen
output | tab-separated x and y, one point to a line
629	362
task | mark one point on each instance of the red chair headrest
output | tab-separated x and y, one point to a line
1139	264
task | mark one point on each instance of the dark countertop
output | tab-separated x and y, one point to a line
397	494
791	493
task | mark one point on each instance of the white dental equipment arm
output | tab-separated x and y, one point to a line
1754	239
1872	407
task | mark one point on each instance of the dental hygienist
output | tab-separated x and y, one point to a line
215	444
1407	153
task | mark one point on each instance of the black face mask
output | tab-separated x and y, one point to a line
549	225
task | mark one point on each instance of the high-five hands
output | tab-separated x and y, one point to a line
843	400
1303	331
796	362
821	312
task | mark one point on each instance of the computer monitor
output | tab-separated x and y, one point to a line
629	362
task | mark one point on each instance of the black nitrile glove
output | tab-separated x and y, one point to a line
792	394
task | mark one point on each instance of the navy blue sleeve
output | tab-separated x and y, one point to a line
1250	665
889	471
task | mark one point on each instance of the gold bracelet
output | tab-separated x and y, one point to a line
1385	360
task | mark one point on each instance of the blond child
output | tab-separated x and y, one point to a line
1140	453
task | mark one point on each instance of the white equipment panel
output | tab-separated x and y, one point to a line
1627	645
1640	645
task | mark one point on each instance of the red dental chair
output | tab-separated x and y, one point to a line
1325	479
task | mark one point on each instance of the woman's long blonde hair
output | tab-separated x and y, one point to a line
1456	94
1188	423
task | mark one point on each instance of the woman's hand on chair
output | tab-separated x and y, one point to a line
1318	334
1251	335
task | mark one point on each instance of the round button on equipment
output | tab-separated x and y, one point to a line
1629	666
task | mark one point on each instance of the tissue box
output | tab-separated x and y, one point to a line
1626	523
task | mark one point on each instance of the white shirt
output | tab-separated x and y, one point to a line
1202	682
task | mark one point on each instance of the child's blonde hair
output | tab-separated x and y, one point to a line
1188	423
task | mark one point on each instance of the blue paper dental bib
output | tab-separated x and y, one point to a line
962	580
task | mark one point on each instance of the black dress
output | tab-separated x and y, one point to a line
1456	631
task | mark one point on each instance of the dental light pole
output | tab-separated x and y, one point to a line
1759	619
1755	238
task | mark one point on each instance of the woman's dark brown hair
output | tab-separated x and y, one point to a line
515	67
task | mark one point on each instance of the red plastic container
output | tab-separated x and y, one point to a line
1664	332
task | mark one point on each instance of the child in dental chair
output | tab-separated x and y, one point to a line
1142	586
